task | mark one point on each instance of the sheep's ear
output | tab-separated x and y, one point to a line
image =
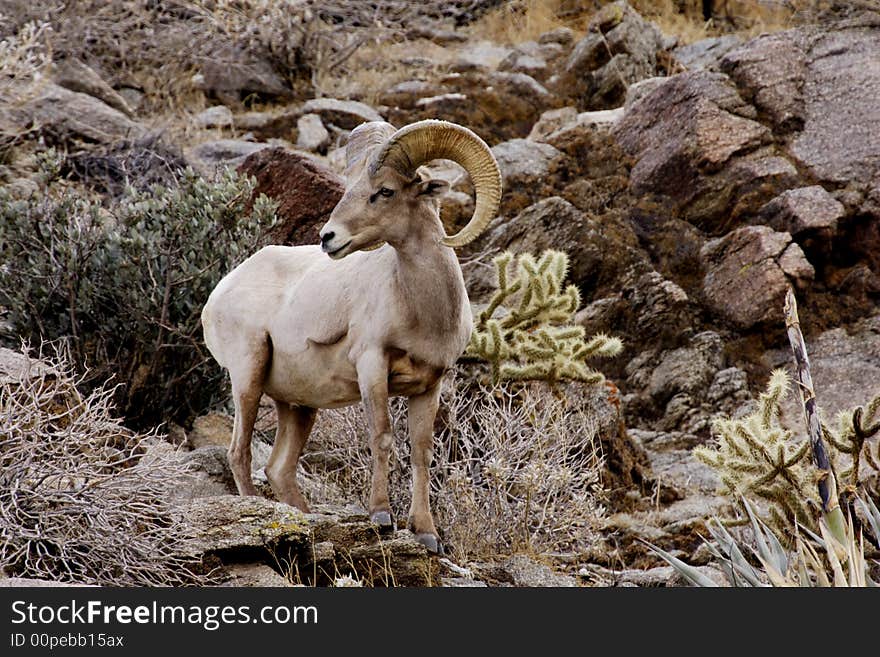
433	187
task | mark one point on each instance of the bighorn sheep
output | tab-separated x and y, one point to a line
384	315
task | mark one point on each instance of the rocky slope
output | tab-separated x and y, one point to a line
690	184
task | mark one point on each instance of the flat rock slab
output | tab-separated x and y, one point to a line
66	114
232	523
16	366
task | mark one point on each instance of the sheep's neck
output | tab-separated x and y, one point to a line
430	279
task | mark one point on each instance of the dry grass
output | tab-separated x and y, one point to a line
25	58
81	497
380	63
512	471
525	20
747	18
158	47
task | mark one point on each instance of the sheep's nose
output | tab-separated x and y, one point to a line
327	237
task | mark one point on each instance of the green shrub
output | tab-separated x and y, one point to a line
126	283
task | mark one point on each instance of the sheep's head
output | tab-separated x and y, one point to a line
387	191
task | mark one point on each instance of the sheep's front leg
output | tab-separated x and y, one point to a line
372	371
421	414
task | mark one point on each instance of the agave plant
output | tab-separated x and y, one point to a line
816	561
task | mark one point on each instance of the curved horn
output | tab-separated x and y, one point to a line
420	142
364	140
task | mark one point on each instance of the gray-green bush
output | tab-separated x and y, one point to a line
125	283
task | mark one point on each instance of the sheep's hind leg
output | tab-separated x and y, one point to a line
420	416
294	426
247	388
372	370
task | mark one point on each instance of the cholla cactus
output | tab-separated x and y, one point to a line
756	457
533	338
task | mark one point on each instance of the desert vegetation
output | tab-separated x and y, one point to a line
628	410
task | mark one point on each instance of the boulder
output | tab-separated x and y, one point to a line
461	582
659	576
640	89
523	571
626	467
648	310
587	139
482	56
806	212
544	225
604	253
344	114
530	64
673	245
819	85
706	53
690	125
748	272
619	49
528	171
688	369
551	120
407	93
497	105
729	385
234	526
696	145
672	462
398	561
770	69
16	367
209	474
564	36
312	135
533	58
680	526
233	75
306	192
210	429
347	542
218	116
269	124
63	115
208	155
78	76
253	575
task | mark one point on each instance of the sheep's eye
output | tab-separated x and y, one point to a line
387	193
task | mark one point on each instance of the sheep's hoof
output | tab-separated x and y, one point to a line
431	542
383	519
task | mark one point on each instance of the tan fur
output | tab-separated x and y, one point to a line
312	332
